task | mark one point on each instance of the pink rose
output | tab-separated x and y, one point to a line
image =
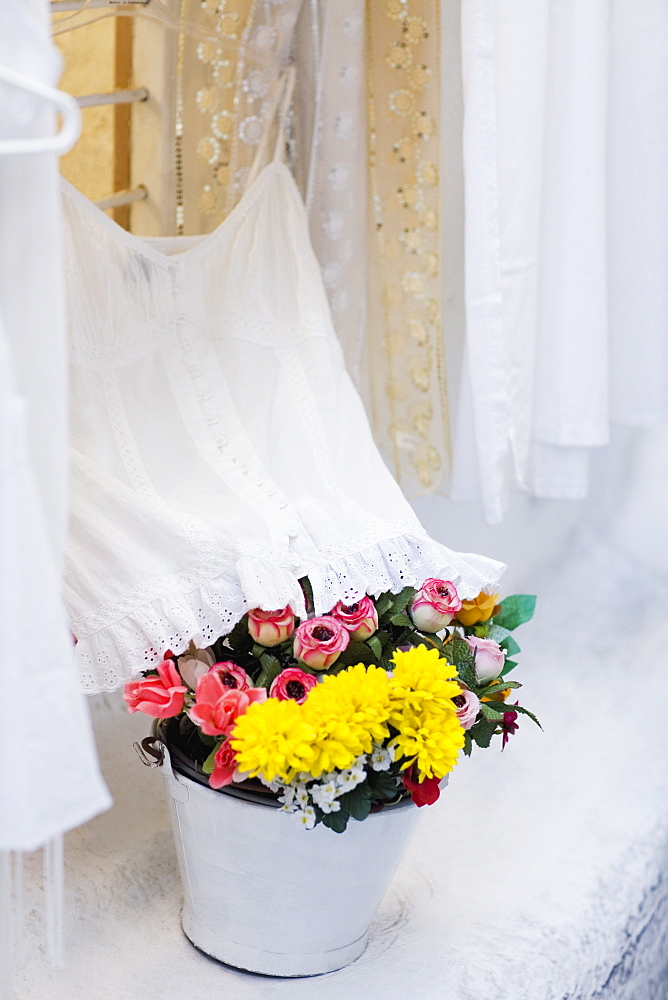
161	696
217	706
270	628
468	705
224	766
231	675
292	683
194	664
434	605
360	618
489	658
320	641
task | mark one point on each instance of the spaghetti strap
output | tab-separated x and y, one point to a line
284	86
288	89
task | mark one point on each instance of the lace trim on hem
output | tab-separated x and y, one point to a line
113	655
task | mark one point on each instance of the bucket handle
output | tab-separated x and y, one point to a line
151	751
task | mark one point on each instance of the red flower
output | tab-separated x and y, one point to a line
217	705
160	697
509	725
224	766
292	683
423	793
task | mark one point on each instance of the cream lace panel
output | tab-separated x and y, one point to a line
223	93
410	409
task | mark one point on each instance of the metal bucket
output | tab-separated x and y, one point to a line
265	895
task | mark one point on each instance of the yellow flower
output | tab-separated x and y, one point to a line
479	609
273	739
431	740
348	712
421	676
429	733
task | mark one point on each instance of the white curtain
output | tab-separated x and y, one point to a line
565	149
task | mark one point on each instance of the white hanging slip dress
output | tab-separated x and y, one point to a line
220	450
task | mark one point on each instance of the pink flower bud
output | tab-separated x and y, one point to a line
468	705
194	664
434	605
360	618
271	628
320	641
489	658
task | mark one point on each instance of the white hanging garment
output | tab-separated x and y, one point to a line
49	778
565	155
220	450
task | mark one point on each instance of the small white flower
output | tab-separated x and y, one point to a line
325	795
381	759
351	778
301	796
307	817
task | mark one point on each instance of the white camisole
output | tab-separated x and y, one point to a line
220	450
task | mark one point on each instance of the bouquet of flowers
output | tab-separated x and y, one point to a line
342	714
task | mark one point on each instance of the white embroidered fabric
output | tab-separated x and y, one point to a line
221	452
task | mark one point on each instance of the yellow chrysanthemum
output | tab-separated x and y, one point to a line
421	677
273	739
431	740
348	713
423	713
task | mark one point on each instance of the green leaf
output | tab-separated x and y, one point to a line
271	668
383	604
401	620
500	686
355	652
490	713
240	637
468	744
497	633
510	646
357	802
337	821
400	600
524	711
382	785
509	665
208	764
515	610
375	646
482	732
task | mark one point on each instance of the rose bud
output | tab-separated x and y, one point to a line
360	618
434	605
271	628
161	697
320	641
468	705
292	683
224	766
489	658
478	609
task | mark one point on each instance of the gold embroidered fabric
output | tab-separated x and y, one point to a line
407	376
223	86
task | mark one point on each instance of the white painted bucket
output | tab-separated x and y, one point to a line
263	894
